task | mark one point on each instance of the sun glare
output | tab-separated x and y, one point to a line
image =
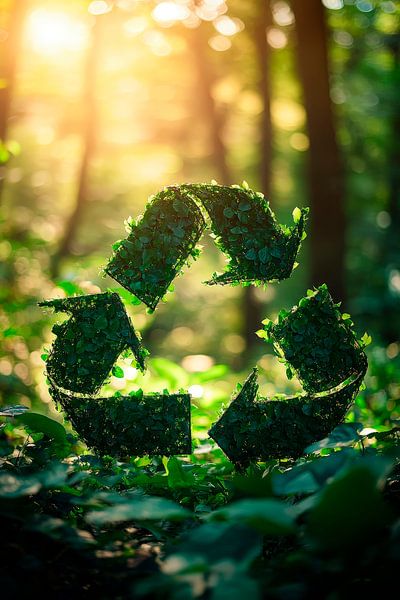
51	32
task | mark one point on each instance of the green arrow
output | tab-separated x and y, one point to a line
261	429
158	246
259	249
135	425
90	341
317	341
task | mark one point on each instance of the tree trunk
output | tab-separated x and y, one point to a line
90	124
251	305
8	68
327	235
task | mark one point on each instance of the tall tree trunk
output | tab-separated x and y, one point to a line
251	305
90	124
206	79
264	21
10	50
327	238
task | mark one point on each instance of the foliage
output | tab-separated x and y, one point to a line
318	342
254	428
158	245
172	528
258	248
132	425
163	239
89	342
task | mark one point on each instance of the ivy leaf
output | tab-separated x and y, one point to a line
296	214
251	254
263	254
117	372
366	339
101	322
228	212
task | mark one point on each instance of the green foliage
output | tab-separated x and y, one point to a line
158	245
162	240
172	528
259	249
90	341
134	425
318	342
254	428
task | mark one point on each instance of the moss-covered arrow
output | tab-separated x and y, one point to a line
90	341
319	345
255	428
259	249
158	245
317	341
162	240
136	425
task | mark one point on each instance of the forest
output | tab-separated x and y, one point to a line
200	298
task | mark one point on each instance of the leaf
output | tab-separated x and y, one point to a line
351	508
269	517
366	339
261	333
42	424
101	322
118	372
228	212
147	508
345	434
296	215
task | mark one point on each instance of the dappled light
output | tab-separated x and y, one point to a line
199	299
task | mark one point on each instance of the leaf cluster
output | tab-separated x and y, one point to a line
134	425
90	341
318	343
158	246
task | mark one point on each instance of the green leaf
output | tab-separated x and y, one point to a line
351	509
147	508
117	372
42	424
228	212
269	517
343	435
296	214
101	322
366	339
261	333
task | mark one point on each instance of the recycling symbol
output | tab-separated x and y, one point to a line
314	339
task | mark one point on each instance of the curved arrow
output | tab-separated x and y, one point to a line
254	429
160	242
158	245
317	341
135	425
90	341
320	346
259	249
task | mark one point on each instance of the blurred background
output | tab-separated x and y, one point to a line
103	103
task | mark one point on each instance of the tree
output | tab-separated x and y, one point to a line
327	237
